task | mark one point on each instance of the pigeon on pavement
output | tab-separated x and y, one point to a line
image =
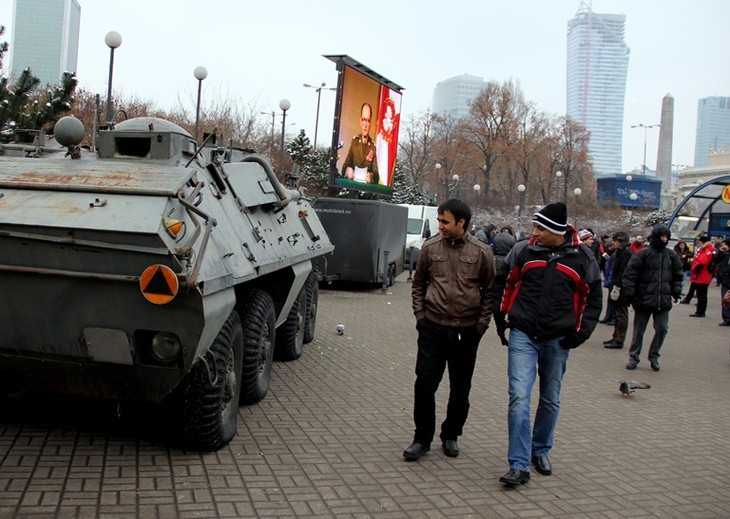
340	329
629	386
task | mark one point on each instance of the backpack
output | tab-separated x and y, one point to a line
712	267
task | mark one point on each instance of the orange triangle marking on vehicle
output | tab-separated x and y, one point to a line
158	284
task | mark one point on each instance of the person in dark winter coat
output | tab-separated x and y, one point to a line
651	282
550	290
685	255
620	261
723	276
487	233
609	317
502	244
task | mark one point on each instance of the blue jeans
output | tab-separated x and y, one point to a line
528	358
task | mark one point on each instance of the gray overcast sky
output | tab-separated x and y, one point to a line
263	51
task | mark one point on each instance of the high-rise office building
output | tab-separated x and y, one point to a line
713	127
598	59
45	38
454	95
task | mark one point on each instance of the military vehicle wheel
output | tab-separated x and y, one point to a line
311	288
259	325
209	398
290	335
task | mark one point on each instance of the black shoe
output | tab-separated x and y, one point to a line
683	302
654	365
696	315
724	324
515	477
415	451
613	345
542	465
610	323
451	448
632	365
609	341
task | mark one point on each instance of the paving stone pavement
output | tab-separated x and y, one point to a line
328	439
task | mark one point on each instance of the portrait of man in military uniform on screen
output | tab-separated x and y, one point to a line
361	163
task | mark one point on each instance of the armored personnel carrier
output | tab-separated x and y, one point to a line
144	271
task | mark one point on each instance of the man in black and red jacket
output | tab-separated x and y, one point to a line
551	295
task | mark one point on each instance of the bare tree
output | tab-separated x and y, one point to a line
570	154
531	152
415	146
492	116
450	153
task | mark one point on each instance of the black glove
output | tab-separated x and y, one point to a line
501	324
570	341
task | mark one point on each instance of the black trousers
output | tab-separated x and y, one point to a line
438	347
701	298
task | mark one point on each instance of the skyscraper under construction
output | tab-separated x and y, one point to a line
598	60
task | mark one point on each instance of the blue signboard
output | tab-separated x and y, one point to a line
617	190
720	224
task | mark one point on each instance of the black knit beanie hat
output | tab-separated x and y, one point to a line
553	217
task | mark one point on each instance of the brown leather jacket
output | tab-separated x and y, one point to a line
452	280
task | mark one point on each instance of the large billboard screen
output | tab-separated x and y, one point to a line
367	120
617	190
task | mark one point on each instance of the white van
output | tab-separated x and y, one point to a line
422	224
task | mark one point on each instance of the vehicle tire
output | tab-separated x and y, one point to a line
290	335
259	324
208	412
311	287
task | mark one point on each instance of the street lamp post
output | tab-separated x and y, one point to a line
577	191
521	188
646	128
558	174
113	40
200	74
437	167
319	96
633	197
455	188
477	188
284	104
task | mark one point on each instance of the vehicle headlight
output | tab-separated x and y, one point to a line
165	347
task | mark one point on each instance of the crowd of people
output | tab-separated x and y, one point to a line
544	292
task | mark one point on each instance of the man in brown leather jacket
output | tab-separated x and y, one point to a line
451	302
